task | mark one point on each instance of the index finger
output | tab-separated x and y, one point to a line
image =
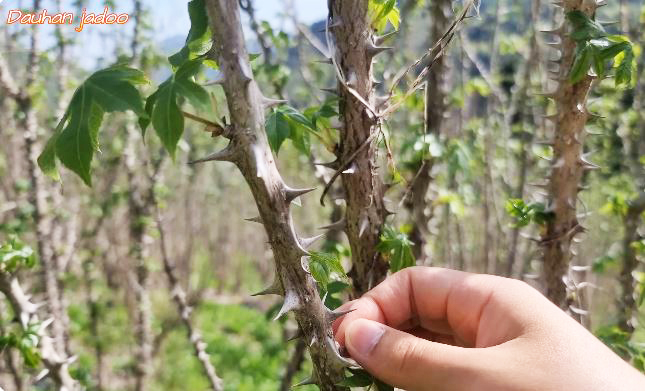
441	300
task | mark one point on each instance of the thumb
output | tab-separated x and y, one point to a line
408	362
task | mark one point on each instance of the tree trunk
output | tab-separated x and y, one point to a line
249	150
568	163
365	213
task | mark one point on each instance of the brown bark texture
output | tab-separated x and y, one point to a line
568	163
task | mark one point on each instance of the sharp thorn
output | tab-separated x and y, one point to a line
274	289
296	335
380	39
586	164
307	381
225	155
332	91
344	361
363	227
306	243
269	103
350	170
256	219
335	165
332	25
291	303
374	50
331	316
338	225
291	194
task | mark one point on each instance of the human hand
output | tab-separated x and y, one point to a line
439	329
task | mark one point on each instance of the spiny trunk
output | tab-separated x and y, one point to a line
568	163
38	198
435	110
139	210
249	150
365	213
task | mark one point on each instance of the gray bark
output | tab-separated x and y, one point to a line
249	150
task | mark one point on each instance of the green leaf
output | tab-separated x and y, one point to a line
396	246
145	120
15	254
301	139
322	265
163	105
198	39
277	129
75	139
584	28
78	141
320	272
581	64
625	67
360	379
383	11
167	118
47	158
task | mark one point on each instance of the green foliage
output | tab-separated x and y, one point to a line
198	40
381	12
334	288
284	123
397	248
524	214
620	342
360	378
26	342
602	264
14	254
163	106
76	137
595	48
323	265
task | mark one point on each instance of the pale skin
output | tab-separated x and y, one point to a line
437	329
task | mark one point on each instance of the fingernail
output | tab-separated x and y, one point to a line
364	335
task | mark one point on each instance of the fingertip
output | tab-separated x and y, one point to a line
362	336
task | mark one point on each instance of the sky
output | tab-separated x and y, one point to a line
96	43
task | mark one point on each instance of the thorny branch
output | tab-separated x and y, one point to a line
26	312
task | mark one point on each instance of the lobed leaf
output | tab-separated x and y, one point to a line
75	139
